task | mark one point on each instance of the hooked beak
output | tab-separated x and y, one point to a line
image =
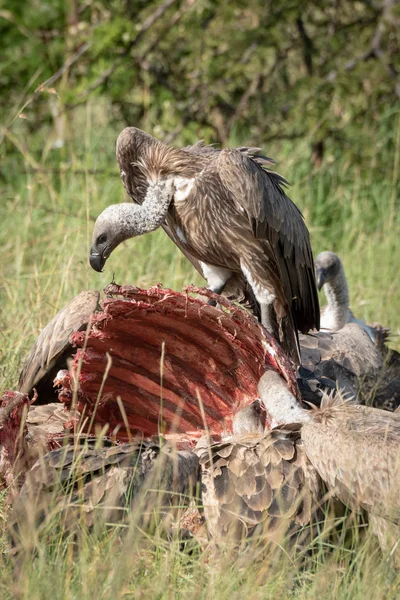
97	260
320	277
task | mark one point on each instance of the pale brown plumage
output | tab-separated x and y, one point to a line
236	216
356	451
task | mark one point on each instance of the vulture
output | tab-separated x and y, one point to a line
330	275
354	449
229	213
350	360
258	483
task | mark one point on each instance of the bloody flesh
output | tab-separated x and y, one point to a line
173	360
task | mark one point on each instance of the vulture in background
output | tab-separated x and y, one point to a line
224	209
373	361
330	275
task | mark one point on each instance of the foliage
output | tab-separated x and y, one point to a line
254	70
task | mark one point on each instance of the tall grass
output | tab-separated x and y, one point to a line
130	563
49	202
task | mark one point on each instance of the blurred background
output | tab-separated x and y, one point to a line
316	85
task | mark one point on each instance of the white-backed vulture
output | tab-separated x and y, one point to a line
355	449
229	213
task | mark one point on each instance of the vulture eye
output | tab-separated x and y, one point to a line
102	238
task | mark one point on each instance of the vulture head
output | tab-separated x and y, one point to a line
327	267
251	419
111	228
120	222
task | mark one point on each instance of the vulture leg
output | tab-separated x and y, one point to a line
276	319
268	319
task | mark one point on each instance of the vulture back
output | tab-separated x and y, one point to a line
258	486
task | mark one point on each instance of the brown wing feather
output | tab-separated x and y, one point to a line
54	339
258	483
275	219
355	449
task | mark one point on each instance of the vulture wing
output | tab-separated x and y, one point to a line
356	451
355	362
351	346
277	221
53	341
258	484
72	486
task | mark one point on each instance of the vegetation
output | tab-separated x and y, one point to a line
315	84
128	563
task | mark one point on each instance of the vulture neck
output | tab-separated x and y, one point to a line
337	312
137	220
282	407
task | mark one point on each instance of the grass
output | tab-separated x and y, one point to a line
49	201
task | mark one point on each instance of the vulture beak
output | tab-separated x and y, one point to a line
97	260
320	277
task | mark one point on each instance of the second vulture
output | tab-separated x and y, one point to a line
353	448
225	210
